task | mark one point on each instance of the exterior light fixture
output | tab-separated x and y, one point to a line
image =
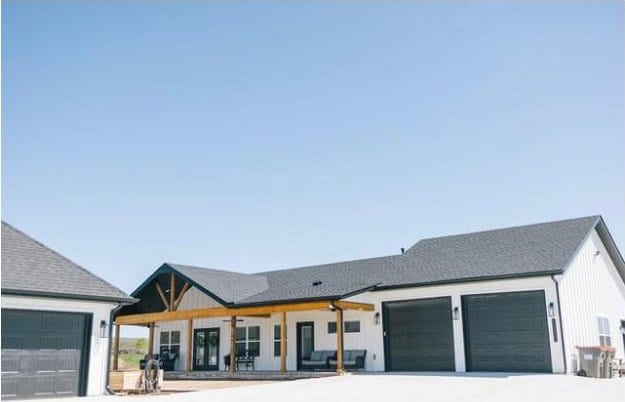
551	309
103	326
456	313
622	327
376	318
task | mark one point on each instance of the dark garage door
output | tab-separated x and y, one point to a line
506	332
419	335
44	354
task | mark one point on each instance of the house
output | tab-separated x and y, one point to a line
517	299
56	322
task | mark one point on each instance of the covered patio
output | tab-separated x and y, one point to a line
172	312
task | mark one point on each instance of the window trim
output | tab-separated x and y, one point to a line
246	341
605	337
169	345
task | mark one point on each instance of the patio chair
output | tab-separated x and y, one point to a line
168	360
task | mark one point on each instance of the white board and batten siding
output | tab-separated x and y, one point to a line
375	341
99	349
370	336
590	288
266	360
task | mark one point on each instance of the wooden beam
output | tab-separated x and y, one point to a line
137	319
172	291
190	346
116	349
179	298
346	305
162	295
339	341
151	341
283	348
233	342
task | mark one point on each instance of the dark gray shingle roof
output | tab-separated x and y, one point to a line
226	285
539	249
30	268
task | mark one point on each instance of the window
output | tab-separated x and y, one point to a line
348	326
604	331
170	341
352	326
277	337
248	341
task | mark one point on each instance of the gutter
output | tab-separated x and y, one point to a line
107	385
553	278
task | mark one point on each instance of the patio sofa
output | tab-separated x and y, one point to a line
318	360
352	360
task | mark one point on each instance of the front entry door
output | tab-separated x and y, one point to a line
206	349
305	341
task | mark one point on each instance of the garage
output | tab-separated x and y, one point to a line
506	332
44	354
419	335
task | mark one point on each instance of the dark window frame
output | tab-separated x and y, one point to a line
246	345
349	327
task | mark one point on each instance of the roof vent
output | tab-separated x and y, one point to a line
317	283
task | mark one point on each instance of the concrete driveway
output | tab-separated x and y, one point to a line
417	387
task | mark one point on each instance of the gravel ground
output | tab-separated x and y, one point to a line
421	387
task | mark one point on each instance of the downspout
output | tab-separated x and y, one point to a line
107	385
553	278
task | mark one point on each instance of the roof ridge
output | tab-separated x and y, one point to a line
85	270
328	263
173	264
596	217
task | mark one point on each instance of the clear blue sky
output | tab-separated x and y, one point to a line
253	136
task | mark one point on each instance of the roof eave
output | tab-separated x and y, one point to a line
55	295
169	268
470	279
307	299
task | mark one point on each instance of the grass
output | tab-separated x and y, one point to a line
130	361
131	350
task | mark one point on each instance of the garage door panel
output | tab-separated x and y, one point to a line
419	335
48	354
506	332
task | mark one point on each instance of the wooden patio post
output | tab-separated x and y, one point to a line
233	342
116	348
283	348
190	345
339	341
151	341
172	291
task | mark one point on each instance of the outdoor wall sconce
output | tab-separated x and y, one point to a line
551	309
376	318
456	313
103	326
